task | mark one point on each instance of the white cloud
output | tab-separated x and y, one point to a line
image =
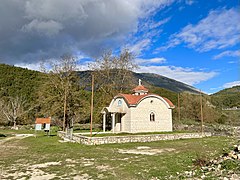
35	67
189	2
139	46
185	75
82	63
151	24
220	29
231	84
158	60
228	54
148	32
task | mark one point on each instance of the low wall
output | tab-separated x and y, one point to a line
130	138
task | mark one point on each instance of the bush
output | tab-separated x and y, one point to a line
222	119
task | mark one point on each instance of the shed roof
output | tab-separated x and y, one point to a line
43	120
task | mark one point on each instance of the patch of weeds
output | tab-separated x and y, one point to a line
231	164
3	135
200	161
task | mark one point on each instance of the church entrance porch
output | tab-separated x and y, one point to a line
115	119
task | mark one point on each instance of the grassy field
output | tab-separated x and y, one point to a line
47	158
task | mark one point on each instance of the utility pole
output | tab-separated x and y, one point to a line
179	113
201	106
92	105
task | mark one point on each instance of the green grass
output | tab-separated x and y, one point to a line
90	159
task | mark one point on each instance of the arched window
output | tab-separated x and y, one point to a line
152	116
119	102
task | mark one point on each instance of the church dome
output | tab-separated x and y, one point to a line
140	89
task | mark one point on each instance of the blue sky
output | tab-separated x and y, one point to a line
195	42
207	60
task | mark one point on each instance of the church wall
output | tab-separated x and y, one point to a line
140	116
116	107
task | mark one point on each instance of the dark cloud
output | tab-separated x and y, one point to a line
39	29
31	30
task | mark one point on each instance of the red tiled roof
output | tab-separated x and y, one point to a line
135	99
43	120
140	88
169	102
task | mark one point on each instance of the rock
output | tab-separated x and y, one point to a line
235	156
231	153
203	176
226	158
234	177
238	156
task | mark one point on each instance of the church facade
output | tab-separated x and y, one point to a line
140	111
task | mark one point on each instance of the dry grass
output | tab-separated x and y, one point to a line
45	157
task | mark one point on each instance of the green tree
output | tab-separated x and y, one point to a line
60	95
190	108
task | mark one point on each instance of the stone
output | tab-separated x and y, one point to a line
235	156
238	148
238	156
234	177
231	153
203	176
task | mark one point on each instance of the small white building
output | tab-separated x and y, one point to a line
140	111
42	124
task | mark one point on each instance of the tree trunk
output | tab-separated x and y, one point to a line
14	124
64	110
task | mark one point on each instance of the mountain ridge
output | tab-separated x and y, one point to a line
151	79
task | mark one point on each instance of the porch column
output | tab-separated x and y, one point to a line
104	121
113	122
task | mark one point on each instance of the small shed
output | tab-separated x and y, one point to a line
43	124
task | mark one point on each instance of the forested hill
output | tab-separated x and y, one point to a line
24	82
16	81
227	98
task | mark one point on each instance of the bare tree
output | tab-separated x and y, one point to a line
113	73
12	109
60	87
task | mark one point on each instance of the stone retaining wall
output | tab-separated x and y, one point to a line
130	138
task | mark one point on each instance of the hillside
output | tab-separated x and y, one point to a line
16	81
227	98
166	83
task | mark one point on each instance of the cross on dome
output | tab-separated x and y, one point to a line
139	82
140	89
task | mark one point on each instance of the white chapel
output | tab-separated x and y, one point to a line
140	111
